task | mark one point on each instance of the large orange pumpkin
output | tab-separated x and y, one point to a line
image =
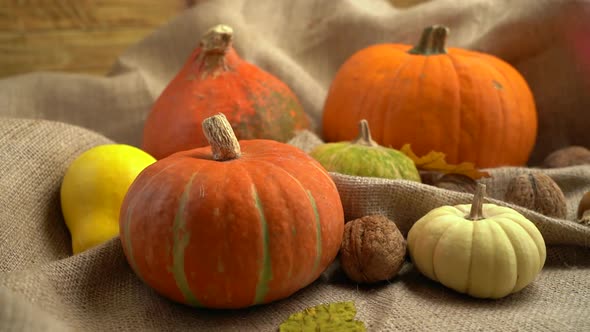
472	106
231	225
215	79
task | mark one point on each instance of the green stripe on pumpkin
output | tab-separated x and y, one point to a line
318	229
181	239
265	275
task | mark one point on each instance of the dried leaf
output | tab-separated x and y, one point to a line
331	317
435	161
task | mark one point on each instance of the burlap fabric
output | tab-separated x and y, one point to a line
49	118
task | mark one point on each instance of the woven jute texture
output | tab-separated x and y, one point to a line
48	119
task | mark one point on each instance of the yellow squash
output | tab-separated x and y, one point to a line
483	250
93	189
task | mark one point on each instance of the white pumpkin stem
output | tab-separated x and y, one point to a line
476	212
221	137
432	41
214	45
364	137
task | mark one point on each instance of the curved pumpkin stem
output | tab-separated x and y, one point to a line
221	137
432	42
476	212
364	137
214	45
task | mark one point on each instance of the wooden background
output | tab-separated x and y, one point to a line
83	36
75	35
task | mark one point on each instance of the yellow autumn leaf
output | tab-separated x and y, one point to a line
435	161
337	316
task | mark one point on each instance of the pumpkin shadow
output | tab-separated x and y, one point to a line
432	291
558	258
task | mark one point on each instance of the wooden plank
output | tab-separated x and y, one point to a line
65	50
75	35
32	15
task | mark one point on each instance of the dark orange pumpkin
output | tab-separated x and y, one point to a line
231	225
215	79
472	106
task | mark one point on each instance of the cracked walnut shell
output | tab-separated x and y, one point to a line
538	192
373	249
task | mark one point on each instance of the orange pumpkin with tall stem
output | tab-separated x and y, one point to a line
232	225
215	79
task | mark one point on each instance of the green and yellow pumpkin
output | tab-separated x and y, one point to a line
365	157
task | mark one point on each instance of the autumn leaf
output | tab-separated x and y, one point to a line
331	317
435	161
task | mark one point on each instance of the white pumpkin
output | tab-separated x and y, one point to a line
483	250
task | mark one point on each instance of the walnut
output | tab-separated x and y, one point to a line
584	209
456	182
373	249
538	192
568	156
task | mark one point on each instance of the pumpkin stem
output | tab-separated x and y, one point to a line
217	39
476	212
221	137
364	137
214	45
432	41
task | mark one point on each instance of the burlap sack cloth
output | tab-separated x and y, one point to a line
43	287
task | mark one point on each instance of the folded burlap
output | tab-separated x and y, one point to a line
49	118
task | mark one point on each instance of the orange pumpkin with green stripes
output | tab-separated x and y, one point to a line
231	225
